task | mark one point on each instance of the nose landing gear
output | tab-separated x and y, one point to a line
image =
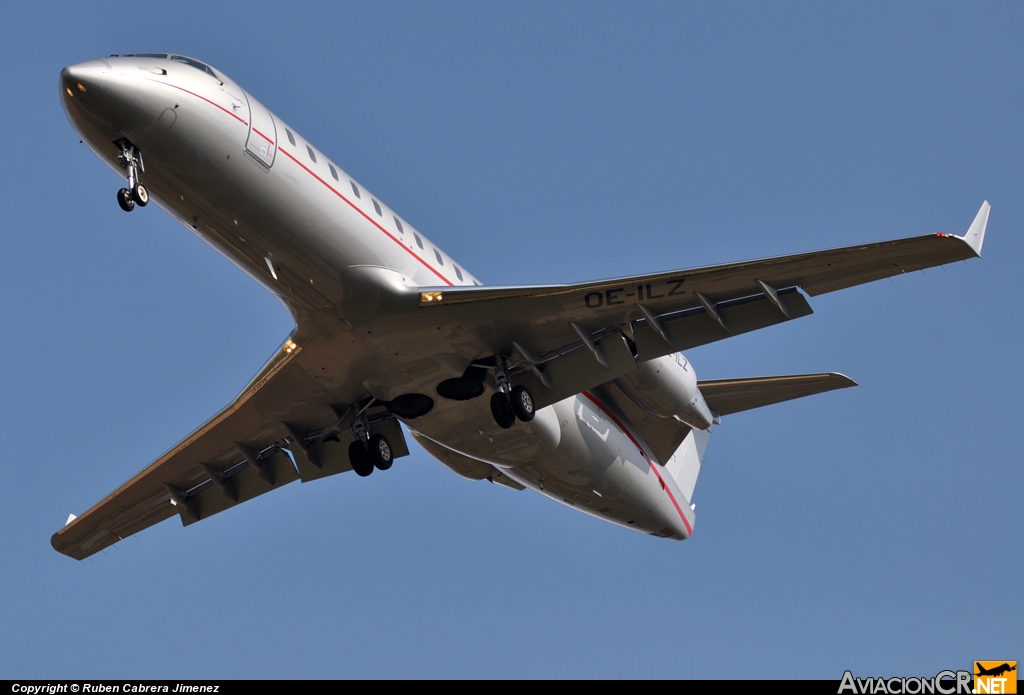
136	194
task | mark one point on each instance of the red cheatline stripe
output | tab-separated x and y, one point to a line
331	188
262	135
230	113
368	218
650	463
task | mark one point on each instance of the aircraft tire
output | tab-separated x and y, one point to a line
140	195
360	459
522	403
124	199
380	452
502	411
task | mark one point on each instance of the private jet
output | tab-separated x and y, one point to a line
579	392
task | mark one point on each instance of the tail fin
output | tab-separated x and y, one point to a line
728	396
684	465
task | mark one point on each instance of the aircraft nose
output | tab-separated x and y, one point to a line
95	85
79	77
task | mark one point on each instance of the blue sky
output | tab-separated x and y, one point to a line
871	529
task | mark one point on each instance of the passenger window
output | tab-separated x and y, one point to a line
377	207
458	273
312	156
355	189
398	223
437	255
291	138
334	172
419	242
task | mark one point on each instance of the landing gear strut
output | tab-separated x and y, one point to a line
136	194
369	451
509	402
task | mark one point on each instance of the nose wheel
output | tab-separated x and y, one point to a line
125	200
136	194
140	195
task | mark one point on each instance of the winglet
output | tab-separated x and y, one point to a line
975	236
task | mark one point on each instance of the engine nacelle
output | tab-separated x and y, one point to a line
667	387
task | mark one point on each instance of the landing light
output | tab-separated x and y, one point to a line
430	297
70	93
290	346
81	87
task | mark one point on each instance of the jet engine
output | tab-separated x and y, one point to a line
667	387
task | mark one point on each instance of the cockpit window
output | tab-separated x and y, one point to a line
194	63
146	55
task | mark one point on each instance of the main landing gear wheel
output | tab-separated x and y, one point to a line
125	200
502	411
379	450
360	460
140	195
522	403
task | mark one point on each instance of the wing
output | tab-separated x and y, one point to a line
569	338
267	437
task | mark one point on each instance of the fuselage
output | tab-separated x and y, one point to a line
337	256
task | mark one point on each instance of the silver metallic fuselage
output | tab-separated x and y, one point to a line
336	261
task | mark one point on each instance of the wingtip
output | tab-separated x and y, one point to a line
845	381
975	236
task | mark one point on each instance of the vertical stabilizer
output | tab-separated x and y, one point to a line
684	466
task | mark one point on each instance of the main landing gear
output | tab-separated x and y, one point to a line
509	402
136	194
369	451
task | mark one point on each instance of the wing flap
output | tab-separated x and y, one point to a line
689	329
728	396
275	471
573	368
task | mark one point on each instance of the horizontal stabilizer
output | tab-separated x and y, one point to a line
728	396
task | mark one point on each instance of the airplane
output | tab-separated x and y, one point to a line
579	392
995	670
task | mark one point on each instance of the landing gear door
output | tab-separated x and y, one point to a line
262	142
